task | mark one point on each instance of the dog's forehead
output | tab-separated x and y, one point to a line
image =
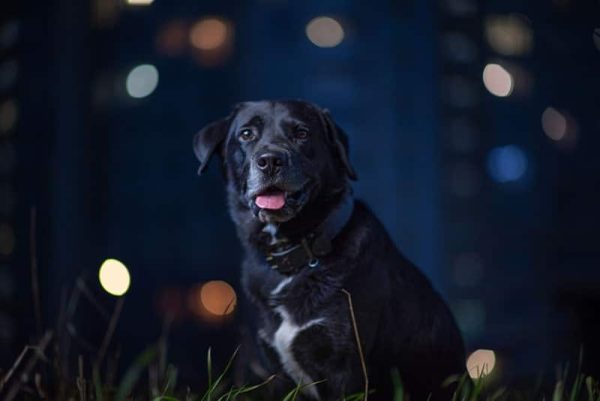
276	111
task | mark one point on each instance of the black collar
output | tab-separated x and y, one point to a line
289	259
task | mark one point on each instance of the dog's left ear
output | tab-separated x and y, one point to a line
208	140
339	139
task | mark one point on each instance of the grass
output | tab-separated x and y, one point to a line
43	371
150	378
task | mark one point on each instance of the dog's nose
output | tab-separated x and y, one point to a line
271	162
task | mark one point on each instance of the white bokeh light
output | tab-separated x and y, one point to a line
481	363
114	277
142	81
140	2
497	80
554	124
325	32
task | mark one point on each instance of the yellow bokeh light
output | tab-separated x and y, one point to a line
481	363
325	32
114	277
509	35
209	34
140	2
497	80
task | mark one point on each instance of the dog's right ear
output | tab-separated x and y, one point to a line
208	140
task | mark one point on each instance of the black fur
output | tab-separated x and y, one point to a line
403	323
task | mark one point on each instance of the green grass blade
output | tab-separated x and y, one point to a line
134	372
209	366
227	396
97	384
397	384
459	388
248	389
291	396
557	395
589	385
171	380
576	389
214	385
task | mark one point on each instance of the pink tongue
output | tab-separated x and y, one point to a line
273	201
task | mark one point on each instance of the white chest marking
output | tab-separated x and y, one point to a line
271	229
282	342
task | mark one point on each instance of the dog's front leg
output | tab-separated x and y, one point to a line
326	359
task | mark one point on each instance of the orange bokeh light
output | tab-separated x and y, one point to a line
209	33
213	299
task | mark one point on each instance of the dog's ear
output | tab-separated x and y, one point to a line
208	140
338	138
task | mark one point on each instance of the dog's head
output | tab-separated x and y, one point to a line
279	156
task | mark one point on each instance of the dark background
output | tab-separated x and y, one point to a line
472	187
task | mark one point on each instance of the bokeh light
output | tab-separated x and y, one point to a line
507	163
325	32
497	80
142	81
481	363
140	2
114	277
509	35
209	33
171	40
213	299
554	124
212	40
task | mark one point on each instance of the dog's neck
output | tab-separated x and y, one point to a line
257	234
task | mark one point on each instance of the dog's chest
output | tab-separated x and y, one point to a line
282	341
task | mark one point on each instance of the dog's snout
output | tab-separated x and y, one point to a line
270	162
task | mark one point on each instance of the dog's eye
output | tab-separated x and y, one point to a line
246	135
301	133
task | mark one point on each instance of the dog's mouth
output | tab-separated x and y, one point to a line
279	204
274	198
271	199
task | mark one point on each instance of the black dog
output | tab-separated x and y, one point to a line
306	240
